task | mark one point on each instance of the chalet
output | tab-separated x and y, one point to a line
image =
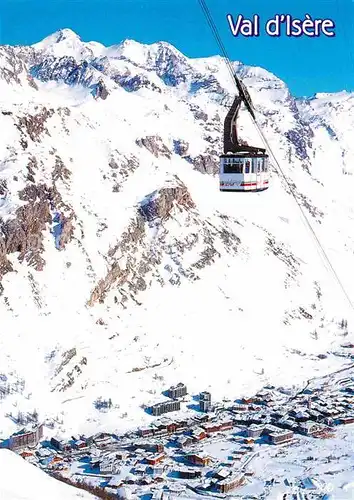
240	407
241	418
347	420
129	479
222	473
198	434
43	453
316	416
248	400
140	470
279	414
254	407
150	447
95	463
201	459
157	470
281	437
111	467
79	445
145	481
121	454
309	428
230	483
188	473
301	416
184	441
268	429
255	431
171	427
155	459
160	429
263	398
162	423
180	425
109	464
166	424
146	432
331	412
60	444
201	418
102	440
226	425
287	423
212	427
140	452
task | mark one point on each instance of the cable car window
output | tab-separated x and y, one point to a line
247	167
258	166
234	167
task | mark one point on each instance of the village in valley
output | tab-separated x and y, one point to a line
196	447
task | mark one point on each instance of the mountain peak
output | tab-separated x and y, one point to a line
57	37
65	34
66	42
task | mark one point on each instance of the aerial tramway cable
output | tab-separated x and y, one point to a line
308	225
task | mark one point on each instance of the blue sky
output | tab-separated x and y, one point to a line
308	65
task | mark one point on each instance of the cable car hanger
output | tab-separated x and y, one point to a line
242	167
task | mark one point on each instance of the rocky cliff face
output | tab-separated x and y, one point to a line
118	254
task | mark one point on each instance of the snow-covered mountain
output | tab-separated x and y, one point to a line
34	484
123	269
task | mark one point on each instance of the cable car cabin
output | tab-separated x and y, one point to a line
244	172
242	167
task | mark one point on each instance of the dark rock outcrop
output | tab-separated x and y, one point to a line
118	273
23	234
12	67
34	125
60	172
133	83
155	145
206	163
160	203
65	69
180	147
99	90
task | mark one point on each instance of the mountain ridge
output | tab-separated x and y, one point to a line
117	245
